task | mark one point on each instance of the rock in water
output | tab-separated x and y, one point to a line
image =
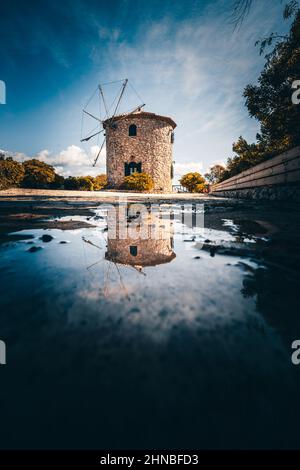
46	238
33	249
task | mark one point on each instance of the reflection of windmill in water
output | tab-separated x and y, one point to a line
126	249
105	112
140	240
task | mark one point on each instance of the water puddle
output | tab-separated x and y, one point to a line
144	325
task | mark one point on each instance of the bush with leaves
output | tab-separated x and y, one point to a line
191	181
71	183
201	188
11	172
100	182
80	183
138	182
85	183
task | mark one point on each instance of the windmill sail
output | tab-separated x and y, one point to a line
109	119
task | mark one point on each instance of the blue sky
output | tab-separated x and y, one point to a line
183	57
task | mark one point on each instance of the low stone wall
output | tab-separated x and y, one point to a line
271	193
274	179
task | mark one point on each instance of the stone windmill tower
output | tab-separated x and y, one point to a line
140	142
137	141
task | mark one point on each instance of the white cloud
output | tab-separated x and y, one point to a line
181	169
73	161
196	71
192	69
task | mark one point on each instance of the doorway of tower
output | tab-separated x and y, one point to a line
132	167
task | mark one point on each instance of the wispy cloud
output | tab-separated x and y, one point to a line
196	70
73	161
185	61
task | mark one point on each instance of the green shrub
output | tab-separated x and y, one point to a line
71	183
138	182
100	182
193	182
85	183
81	183
11	172
200	188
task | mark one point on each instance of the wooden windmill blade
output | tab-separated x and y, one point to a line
85	139
109	120
113	116
98	154
119	100
91	115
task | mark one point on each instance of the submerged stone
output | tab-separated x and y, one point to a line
33	249
46	238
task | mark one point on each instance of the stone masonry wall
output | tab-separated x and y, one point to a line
270	193
151	146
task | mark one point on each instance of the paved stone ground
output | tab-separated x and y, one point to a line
20	192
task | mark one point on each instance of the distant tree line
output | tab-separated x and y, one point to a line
37	174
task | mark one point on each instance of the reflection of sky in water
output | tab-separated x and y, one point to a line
189	289
187	319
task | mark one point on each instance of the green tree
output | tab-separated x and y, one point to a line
38	174
11	172
58	182
138	182
247	155
215	174
191	181
270	100
241	9
71	183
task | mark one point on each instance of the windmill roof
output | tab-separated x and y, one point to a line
144	115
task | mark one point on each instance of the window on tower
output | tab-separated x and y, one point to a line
133	250
132	130
132	167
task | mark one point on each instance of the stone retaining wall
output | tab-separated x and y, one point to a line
274	179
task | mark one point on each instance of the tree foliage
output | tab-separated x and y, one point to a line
138	182
11	172
269	101
194	182
215	174
38	174
80	183
58	182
